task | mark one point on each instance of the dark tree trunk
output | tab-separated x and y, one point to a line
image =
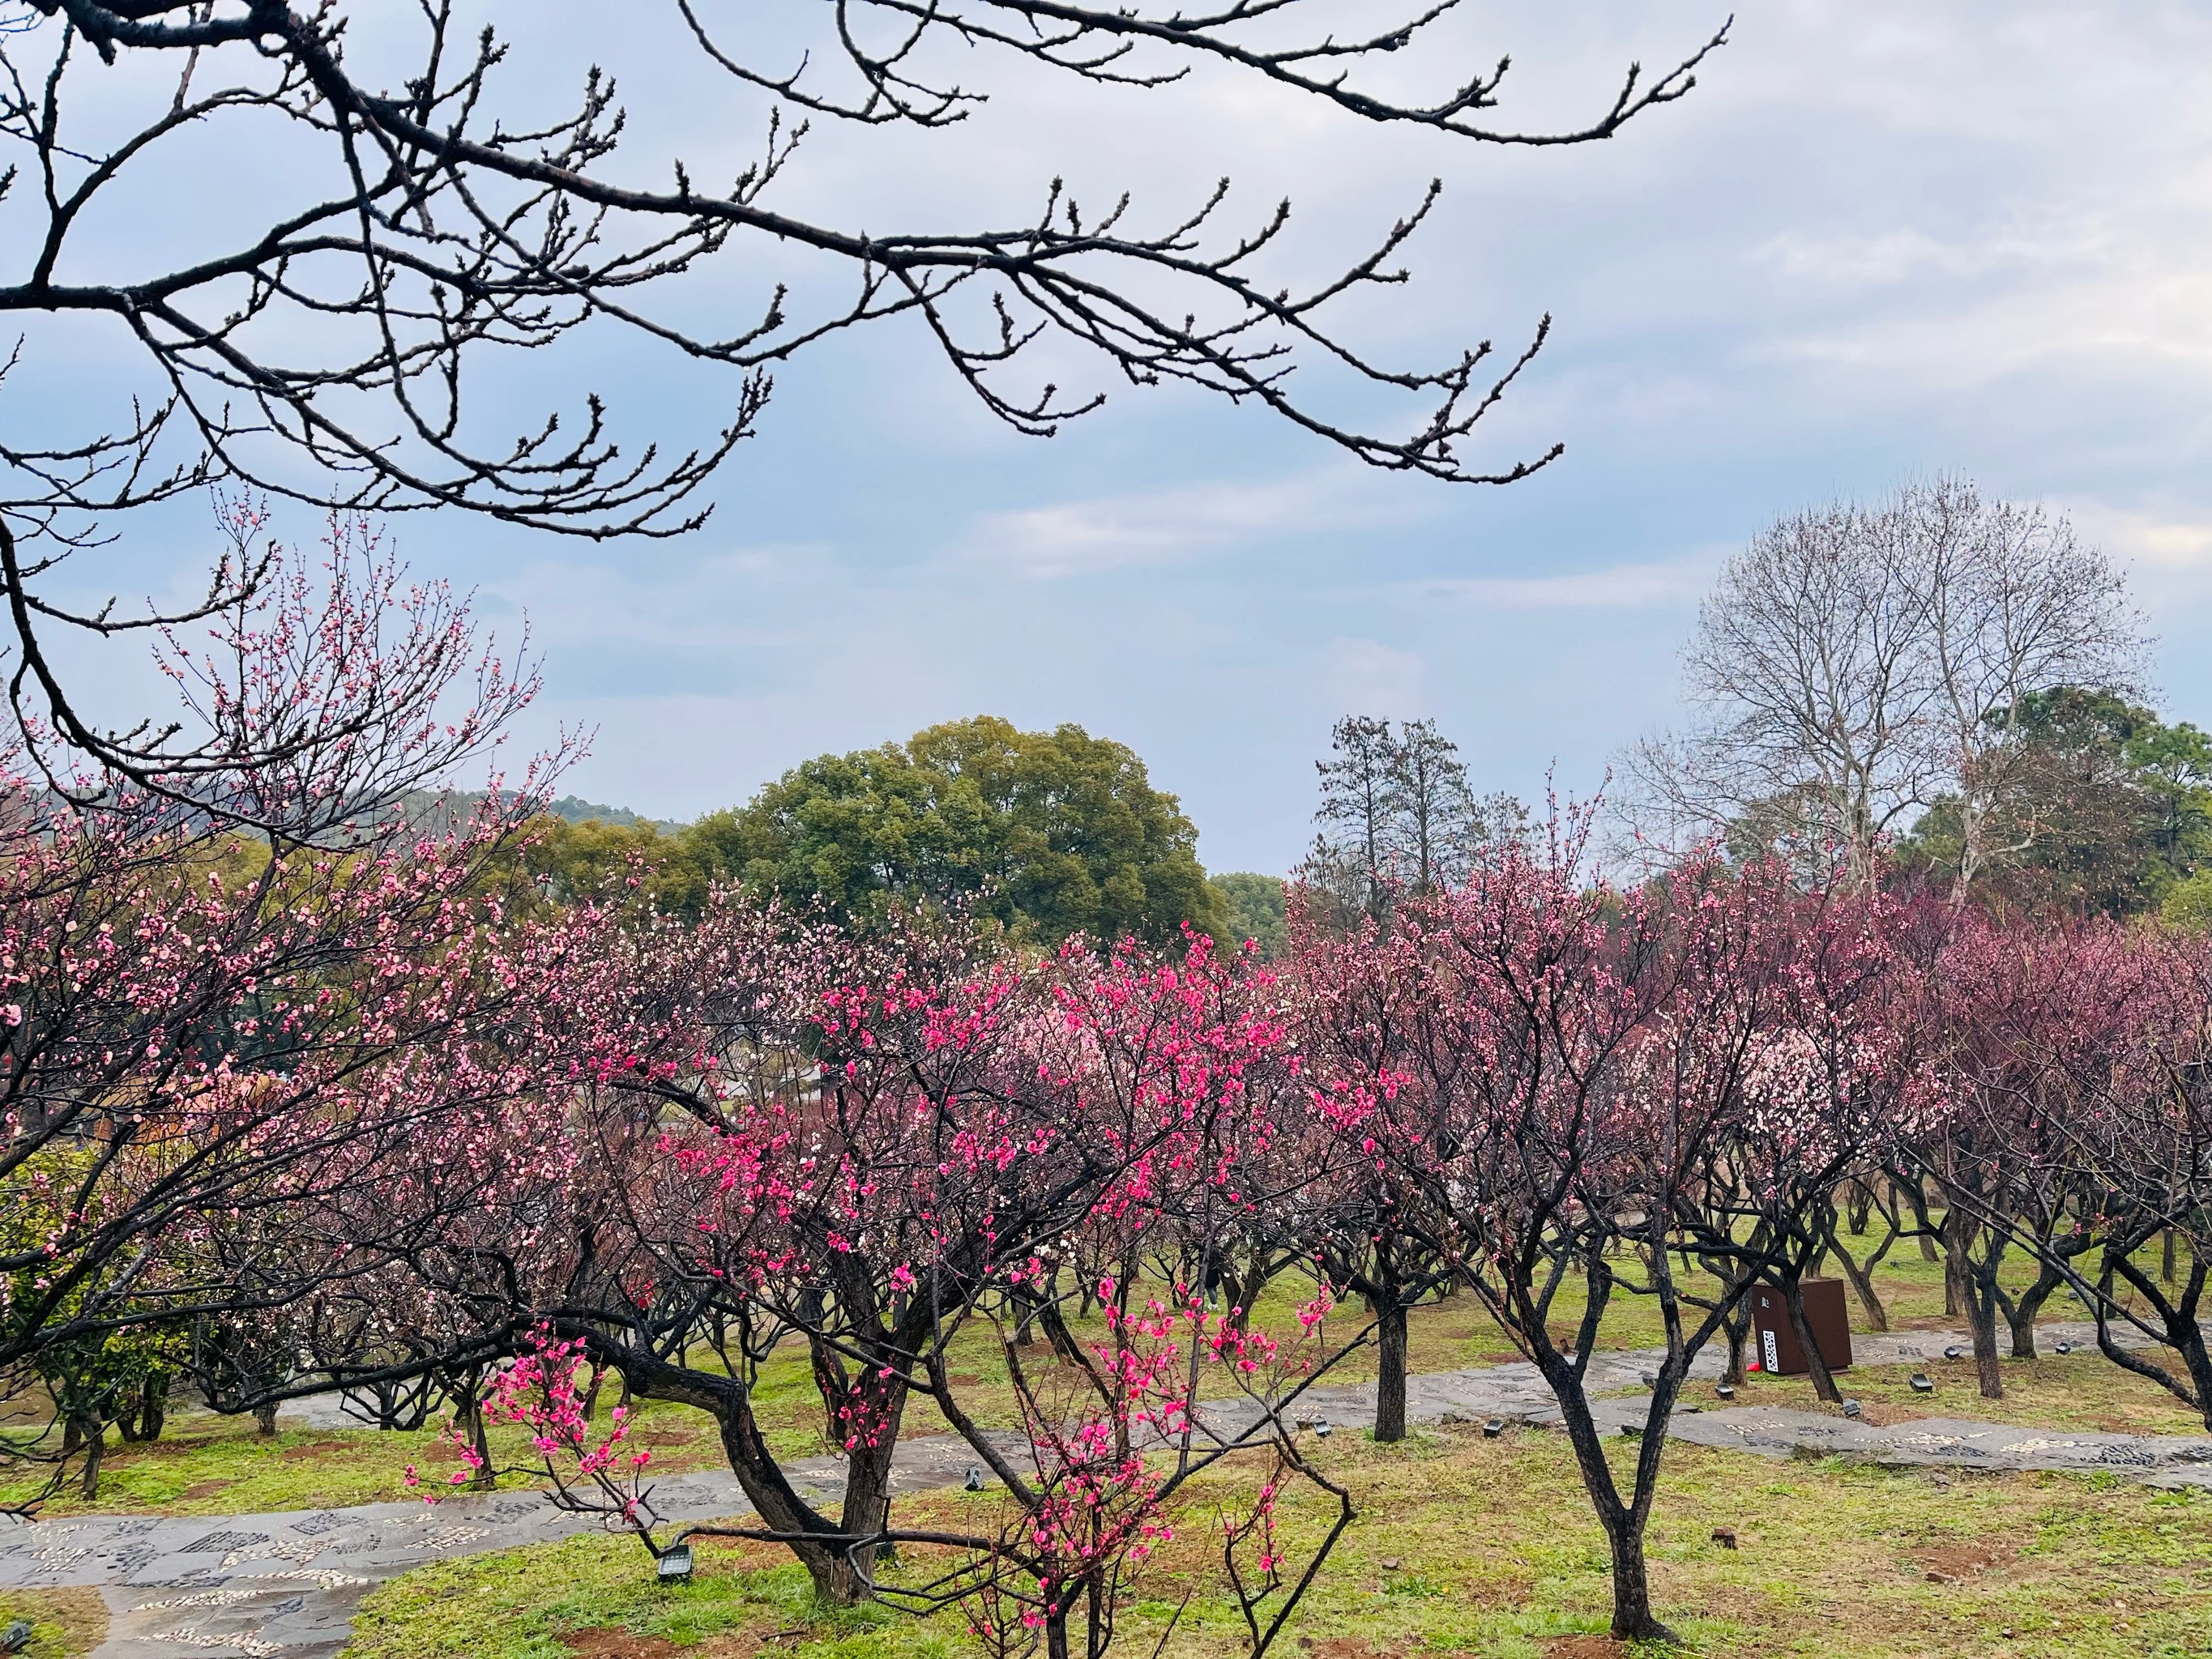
1633	1620
2021	1316
1861	1278
1967	1285
1860	1208
1816	1363
95	1445
471	1422
1738	1331
154	1409
264	1421
1255	1285
1914	1193
1390	1370
2166	1264
1025	1321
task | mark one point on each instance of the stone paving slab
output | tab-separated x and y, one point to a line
287	1586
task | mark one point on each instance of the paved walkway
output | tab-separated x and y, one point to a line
287	1586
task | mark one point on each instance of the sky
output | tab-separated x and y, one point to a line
1881	240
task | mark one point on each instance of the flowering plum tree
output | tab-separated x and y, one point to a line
230	993
2083	1062
1563	1068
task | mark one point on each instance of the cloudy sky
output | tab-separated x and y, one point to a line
1880	238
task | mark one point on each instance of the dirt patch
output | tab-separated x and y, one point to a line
1348	1647
200	1489
621	1644
1945	1562
313	1449
1501	1592
616	1644
1585	1647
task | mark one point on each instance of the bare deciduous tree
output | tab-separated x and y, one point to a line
1855	664
2017	603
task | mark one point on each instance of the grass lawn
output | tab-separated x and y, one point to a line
64	1623
1469	1547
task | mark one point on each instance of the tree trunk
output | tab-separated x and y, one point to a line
2166	1262
867	1510
1859	1208
473	1424
592	1394
1633	1618
1816	1363
2021	1316
154	1409
1861	1278
264	1421
1989	1371
1391	1371
1965	1287
779	1506
1254	1287
94	1437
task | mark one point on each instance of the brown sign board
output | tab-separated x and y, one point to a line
1774	1340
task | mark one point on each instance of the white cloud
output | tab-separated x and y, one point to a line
1366	677
1164	527
1616	587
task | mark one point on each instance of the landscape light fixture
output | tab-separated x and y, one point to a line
674	1566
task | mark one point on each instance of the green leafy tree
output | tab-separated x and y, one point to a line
1255	910
102	1378
2109	809
565	860
1048	833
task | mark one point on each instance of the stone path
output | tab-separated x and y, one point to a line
287	1586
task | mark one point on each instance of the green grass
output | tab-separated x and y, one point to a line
522	1603
64	1623
1477	1547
